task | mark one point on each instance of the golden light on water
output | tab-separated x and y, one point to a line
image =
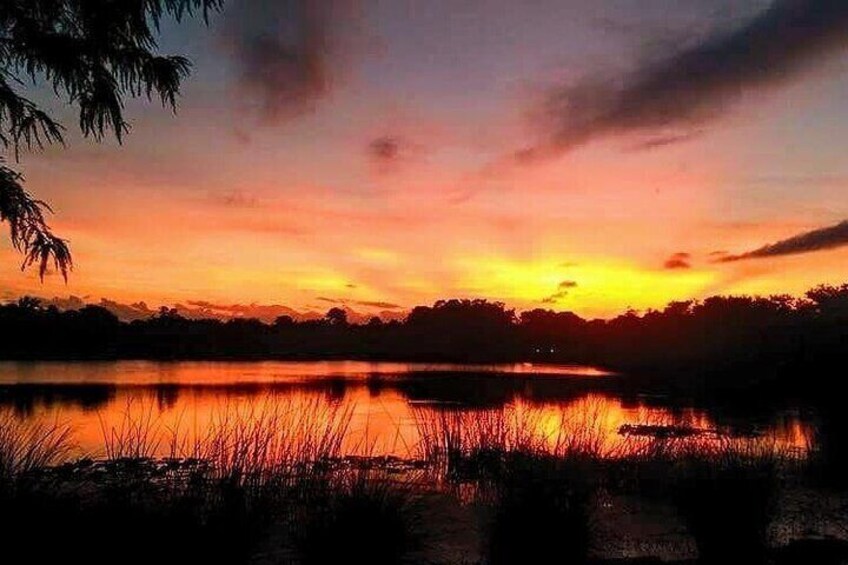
382	422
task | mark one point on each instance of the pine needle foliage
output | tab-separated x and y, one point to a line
92	55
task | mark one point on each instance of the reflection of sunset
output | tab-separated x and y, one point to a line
234	374
427	281
377	419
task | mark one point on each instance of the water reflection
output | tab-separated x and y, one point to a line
219	373
389	406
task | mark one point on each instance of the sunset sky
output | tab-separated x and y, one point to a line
585	155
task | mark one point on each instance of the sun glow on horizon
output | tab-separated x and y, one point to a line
402	187
588	285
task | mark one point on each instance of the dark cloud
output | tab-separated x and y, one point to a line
457	196
264	312
236	199
800	181
127	312
387	311
666	140
365	303
807	242
678	261
667	98
562	291
378	304
70	303
194	309
385	148
388	152
555	297
282	49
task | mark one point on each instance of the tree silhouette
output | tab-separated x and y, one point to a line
775	345
93	54
336	317
28	303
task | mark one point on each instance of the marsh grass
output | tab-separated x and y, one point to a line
216	494
248	444
727	495
27	446
464	444
828	465
533	474
271	442
538	510
168	494
539	487
137	436
357	516
470	445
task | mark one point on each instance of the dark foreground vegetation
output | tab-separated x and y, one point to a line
715	344
275	487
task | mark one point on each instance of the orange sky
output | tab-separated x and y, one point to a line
214	204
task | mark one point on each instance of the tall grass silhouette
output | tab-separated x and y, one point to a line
273	478
27	446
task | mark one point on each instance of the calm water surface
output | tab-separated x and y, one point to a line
386	405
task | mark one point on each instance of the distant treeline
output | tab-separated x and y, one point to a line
730	340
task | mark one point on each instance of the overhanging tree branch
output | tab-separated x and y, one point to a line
94	54
28	229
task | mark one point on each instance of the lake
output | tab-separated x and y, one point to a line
382	408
